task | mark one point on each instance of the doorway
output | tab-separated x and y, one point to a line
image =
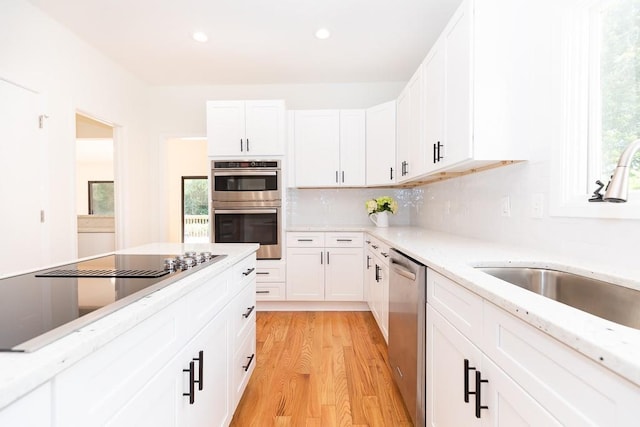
95	186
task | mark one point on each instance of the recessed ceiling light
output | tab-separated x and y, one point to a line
323	33
199	36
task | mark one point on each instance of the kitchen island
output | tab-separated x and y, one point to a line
98	372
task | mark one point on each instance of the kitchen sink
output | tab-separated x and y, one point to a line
603	299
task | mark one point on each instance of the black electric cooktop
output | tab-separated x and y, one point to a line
40	307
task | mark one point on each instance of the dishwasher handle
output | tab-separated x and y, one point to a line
399	268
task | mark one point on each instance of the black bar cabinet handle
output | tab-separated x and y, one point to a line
336	177
327	257
248	272
343	177
391	174
305	240
378	277
375	247
479	382
439	147
246	367
241	145
200	360
263	292
344	240
321	259
247	144
263	273
435	153
467	368
368	259
192	385
248	313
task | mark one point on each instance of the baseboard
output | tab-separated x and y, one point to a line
312	306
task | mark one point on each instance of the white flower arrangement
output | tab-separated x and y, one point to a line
381	204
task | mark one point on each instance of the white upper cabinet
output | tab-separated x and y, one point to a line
245	128
329	148
352	147
381	144
485	82
410	157
434	90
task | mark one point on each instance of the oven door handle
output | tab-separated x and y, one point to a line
246	173
244	211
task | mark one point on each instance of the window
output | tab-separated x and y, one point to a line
614	87
195	209
101	198
599	105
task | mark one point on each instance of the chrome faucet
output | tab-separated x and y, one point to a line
617	190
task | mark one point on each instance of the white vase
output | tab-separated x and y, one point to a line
380	219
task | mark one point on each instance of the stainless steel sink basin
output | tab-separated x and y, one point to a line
603	299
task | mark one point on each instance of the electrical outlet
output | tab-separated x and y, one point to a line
505	206
537	205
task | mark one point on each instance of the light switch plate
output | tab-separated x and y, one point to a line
537	205
505	206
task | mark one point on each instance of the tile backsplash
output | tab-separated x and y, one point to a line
343	206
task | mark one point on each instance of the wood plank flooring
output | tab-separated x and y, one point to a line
320	369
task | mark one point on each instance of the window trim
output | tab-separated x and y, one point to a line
182	179
570	188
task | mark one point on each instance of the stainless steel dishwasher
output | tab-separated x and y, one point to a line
407	311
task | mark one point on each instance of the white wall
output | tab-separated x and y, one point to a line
38	53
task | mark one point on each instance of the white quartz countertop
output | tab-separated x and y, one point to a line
22	372
611	345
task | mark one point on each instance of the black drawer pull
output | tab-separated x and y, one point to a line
200	360
479	382
263	292
375	247
263	273
305	240
344	240
192	384
248	272
384	254
248	313
368	262
246	367
378	275
467	368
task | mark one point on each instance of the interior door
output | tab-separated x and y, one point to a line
21	179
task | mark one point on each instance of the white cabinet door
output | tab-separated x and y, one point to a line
305	274
381	144
403	119
344	276
447	351
434	87
383	298
457	40
225	128
264	128
416	160
317	148
352	147
211	354
508	403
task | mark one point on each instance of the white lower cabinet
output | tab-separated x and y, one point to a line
377	279
173	369
325	267
487	367
23	411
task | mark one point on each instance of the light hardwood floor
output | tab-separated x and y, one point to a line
320	369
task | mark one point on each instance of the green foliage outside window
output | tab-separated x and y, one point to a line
620	83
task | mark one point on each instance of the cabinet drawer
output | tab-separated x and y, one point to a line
244	362
461	307
243	273
305	240
243	314
270	272
271	291
576	390
347	240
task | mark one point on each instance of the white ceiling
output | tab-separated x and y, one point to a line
258	41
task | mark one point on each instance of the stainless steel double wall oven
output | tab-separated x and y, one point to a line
247	204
